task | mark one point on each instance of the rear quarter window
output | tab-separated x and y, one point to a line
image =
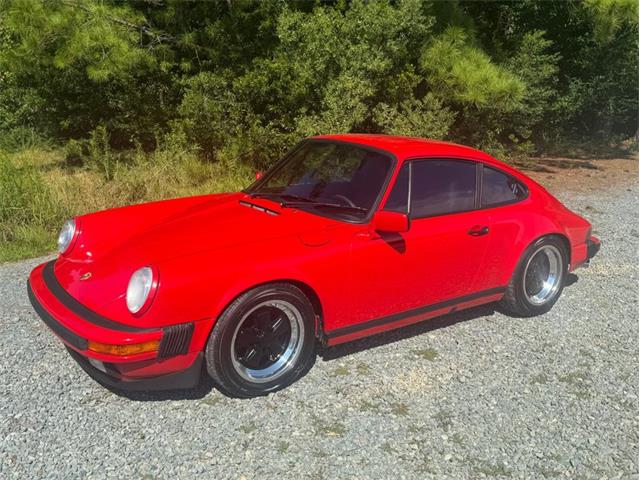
500	188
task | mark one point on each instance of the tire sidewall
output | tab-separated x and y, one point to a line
218	351
524	303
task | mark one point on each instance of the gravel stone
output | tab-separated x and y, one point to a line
472	395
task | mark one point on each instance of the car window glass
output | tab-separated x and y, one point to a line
499	188
439	187
331	172
398	200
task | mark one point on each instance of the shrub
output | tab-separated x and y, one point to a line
425	118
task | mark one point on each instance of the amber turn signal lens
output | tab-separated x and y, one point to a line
121	350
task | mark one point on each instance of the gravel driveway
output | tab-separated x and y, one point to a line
472	395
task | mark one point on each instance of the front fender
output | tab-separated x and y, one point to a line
202	286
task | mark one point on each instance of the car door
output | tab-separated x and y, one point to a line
438	258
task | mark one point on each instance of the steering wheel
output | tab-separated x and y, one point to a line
346	200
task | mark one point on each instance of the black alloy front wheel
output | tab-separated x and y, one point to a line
263	341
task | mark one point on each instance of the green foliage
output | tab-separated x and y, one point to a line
103	40
244	80
328	71
425	118
19	186
39	189
536	68
610	16
340	63
101	156
460	72
593	96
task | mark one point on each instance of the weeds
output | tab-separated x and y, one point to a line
25	211
428	354
40	188
330	429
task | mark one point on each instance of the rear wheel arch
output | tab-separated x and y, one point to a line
560	236
512	301
567	244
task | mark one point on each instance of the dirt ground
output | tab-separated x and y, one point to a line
562	174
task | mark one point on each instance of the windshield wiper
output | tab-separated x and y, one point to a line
312	203
284	196
291	200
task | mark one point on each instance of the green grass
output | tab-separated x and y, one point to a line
328	428
340	371
26	242
428	354
40	188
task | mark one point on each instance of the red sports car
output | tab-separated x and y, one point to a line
346	236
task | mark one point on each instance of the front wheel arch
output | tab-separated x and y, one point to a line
220	344
306	289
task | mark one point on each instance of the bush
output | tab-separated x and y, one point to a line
76	153
425	118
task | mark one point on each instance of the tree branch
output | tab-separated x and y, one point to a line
143	29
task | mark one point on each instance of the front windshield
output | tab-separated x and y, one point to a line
340	180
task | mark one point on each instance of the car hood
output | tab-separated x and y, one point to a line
113	244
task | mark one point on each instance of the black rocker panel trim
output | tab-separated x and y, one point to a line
377	322
59	329
79	309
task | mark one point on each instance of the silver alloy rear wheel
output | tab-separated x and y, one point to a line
267	341
543	275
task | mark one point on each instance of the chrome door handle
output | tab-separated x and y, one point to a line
478	231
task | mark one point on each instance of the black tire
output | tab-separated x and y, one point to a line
516	300
224	365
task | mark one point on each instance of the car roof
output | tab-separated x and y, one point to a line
409	147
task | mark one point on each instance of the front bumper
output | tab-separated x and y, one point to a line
109	376
173	365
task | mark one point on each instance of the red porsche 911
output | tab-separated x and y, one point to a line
347	236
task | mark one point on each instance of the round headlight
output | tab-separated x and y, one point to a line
139	288
66	235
